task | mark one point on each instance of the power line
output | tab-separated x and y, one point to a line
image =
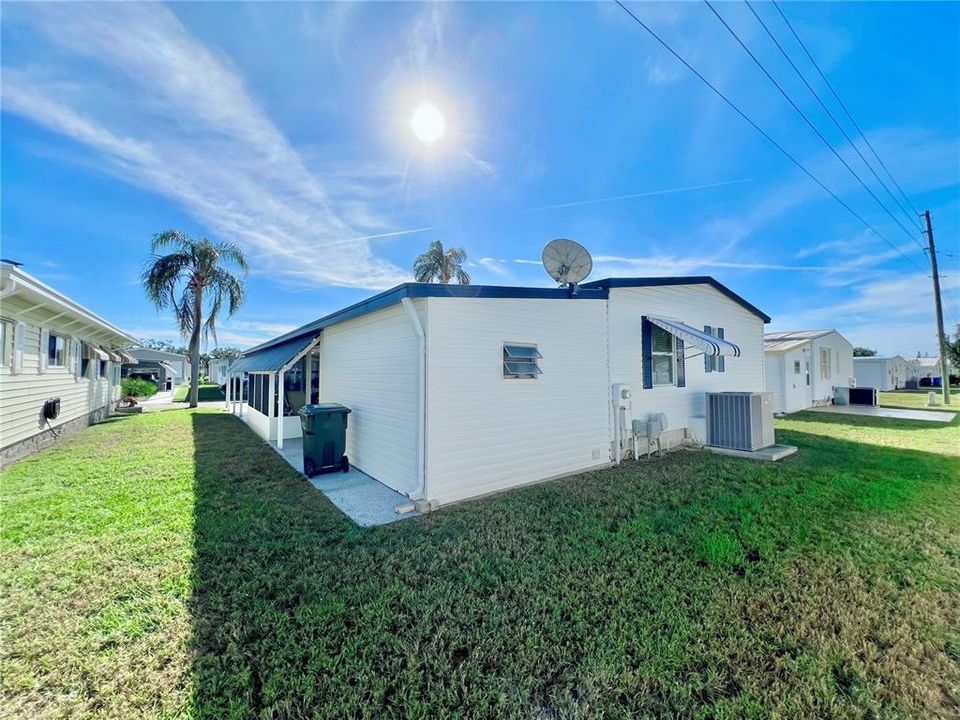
760	130
836	95
840	127
806	119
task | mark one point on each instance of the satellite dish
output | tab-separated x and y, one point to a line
566	261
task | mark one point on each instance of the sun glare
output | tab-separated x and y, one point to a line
428	123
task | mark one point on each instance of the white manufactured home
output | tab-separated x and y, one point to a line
803	368
457	391
60	365
166	369
217	370
882	373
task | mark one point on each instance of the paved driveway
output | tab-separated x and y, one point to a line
898	413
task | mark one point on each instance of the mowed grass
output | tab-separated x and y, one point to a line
917	399
205	393
169	565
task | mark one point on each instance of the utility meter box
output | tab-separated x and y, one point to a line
621	395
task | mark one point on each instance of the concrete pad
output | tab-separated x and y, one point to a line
357	495
769	454
896	413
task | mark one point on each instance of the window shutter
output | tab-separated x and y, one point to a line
44	349
708	360
681	365
721	360
75	357
646	349
16	360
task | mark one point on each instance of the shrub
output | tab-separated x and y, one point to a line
137	387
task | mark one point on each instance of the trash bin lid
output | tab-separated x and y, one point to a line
324	409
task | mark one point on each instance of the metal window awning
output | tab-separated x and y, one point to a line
708	343
128	359
111	355
92	352
272	359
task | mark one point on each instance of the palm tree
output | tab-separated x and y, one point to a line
193	282
440	265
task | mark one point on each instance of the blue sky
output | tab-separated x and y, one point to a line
285	128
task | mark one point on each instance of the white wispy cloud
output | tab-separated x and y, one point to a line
649	193
162	111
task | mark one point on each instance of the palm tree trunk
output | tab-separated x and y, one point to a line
195	347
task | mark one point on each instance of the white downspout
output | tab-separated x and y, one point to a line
420	491
226	399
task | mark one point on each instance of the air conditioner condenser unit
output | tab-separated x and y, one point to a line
740	420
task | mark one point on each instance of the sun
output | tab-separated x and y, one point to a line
428	123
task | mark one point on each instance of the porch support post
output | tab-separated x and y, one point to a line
271	401
226	399
280	409
308	376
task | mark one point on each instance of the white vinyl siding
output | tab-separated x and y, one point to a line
22	393
829	359
370	364
695	305
487	433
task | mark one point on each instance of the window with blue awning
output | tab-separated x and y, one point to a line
663	342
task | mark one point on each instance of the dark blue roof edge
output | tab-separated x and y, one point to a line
608	283
596	290
418	290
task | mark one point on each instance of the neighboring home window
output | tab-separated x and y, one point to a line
56	350
661	347
103	368
520	361
796	367
824	363
714	363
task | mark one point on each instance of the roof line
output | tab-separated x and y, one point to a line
679	280
24	279
597	290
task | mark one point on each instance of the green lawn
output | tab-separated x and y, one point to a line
917	399
168	565
204	393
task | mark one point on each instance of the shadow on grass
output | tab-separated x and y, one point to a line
603	590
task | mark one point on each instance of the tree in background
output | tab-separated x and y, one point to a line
193	281
953	348
164	345
225	353
439	265
864	352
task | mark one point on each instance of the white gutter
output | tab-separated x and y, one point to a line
21	281
420	491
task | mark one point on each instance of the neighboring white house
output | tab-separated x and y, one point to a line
802	367
217	370
926	367
166	369
58	358
458	390
882	373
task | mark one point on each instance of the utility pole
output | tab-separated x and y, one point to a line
944	361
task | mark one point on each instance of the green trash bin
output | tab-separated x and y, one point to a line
324	438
